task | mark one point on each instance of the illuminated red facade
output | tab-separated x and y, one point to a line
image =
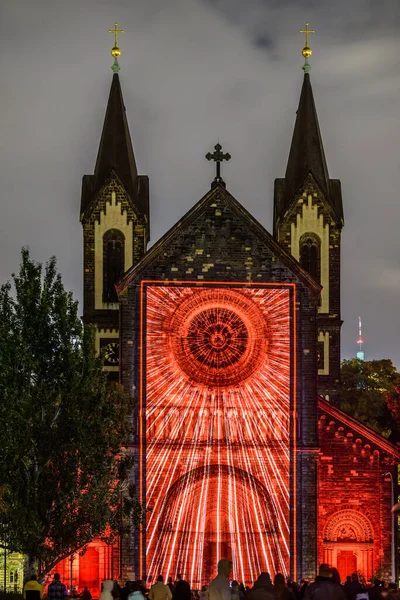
225	343
238	456
217	395
221	357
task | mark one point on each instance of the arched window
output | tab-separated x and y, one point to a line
310	254
113	262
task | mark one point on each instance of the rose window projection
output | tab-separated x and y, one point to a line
216	373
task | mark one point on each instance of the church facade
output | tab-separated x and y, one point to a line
229	338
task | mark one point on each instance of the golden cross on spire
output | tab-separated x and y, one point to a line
306	31
306	52
116	31
115	51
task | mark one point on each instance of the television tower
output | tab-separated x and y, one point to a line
360	341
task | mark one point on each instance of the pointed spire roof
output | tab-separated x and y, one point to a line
115	150
306	152
307	156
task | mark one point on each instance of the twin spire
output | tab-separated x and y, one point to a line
306	153
116	150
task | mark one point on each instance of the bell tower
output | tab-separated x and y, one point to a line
308	219
115	219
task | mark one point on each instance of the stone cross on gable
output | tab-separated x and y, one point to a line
218	156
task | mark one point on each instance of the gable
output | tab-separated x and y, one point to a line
218	240
334	422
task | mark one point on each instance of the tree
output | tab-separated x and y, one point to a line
369	394
63	423
393	403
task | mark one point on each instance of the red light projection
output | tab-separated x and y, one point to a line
216	372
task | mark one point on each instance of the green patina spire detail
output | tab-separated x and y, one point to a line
115	67
306	67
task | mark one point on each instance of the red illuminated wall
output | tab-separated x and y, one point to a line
216	372
90	566
355	471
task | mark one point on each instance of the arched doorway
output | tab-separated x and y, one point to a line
241	525
349	542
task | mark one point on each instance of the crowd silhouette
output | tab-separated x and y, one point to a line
327	585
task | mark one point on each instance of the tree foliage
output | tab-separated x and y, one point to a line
370	393
63	423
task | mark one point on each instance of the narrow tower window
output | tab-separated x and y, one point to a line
310	254
113	263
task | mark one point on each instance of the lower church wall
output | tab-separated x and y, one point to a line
354	504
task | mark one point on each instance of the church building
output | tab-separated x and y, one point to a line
229	338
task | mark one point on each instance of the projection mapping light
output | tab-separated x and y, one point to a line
216	372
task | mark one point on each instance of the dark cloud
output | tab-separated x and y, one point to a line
194	71
263	41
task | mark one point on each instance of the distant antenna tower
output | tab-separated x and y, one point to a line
360	341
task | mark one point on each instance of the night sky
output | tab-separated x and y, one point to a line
194	71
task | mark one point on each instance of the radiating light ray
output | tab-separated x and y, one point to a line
217	372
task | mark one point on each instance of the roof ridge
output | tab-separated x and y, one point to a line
360	428
192	213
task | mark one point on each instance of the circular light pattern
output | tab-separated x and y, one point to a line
218	337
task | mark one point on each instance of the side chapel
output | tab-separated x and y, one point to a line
230	338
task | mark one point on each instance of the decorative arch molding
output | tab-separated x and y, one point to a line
348	542
310	236
216	471
348	525
217	523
